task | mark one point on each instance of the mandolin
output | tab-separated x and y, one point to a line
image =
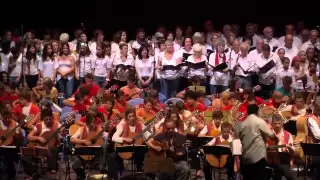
7	136
49	136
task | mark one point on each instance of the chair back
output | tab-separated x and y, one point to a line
135	102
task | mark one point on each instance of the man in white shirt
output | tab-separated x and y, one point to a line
314	132
290	50
313	41
250	29
272	42
252	132
296	40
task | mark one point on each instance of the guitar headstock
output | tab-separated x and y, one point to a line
84	113
27	119
71	117
113	87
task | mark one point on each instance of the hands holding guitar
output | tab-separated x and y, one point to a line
128	140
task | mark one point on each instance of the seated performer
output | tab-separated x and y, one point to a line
225	136
91	110
110	113
6	124
80	138
25	108
11	94
299	107
214	128
47	124
286	139
156	104
92	87
131	91
172	115
46	90
121	103
145	111
176	150
132	124
84	95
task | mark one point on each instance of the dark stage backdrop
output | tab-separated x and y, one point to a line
113	15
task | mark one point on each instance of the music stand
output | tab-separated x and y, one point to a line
217	151
200	141
309	150
87	150
36	152
291	127
159	165
135	149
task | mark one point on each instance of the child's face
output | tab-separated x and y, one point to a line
286	64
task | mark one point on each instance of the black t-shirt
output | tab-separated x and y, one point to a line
179	141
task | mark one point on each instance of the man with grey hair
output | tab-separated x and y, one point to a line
244	67
313	41
268	38
296	40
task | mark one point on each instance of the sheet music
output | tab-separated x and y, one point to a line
236	147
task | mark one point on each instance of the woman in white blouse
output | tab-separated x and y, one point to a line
46	64
167	64
65	71
197	58
144	67
99	36
5	55
85	62
102	66
187	49
31	68
219	78
14	67
119	37
120	74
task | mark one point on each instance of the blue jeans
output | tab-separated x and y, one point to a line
100	81
245	82
66	87
217	89
169	87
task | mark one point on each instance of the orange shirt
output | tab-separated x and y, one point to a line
141	112
131	93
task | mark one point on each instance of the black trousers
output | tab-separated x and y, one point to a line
256	171
207	168
32	80
282	170
7	169
30	166
115	164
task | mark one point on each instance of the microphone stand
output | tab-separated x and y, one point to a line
22	63
154	67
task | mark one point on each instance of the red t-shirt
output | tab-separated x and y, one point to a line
34	109
84	119
79	107
121	108
93	90
8	97
244	106
200	107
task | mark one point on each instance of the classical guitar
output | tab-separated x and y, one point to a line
95	138
301	137
218	162
97	99
51	137
7	136
152	153
137	137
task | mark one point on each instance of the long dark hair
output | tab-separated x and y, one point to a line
45	53
29	54
143	47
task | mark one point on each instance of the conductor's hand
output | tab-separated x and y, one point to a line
87	143
128	140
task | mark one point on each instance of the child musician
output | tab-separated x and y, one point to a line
176	149
131	91
25	108
47	124
225	136
11	94
91	110
132	124
172	115
6	124
80	138
286	139
46	90
213	128
84	99
156	104
145	111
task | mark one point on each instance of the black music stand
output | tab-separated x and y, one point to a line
135	149
159	165
36	152
200	141
87	150
309	150
217	151
291	127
